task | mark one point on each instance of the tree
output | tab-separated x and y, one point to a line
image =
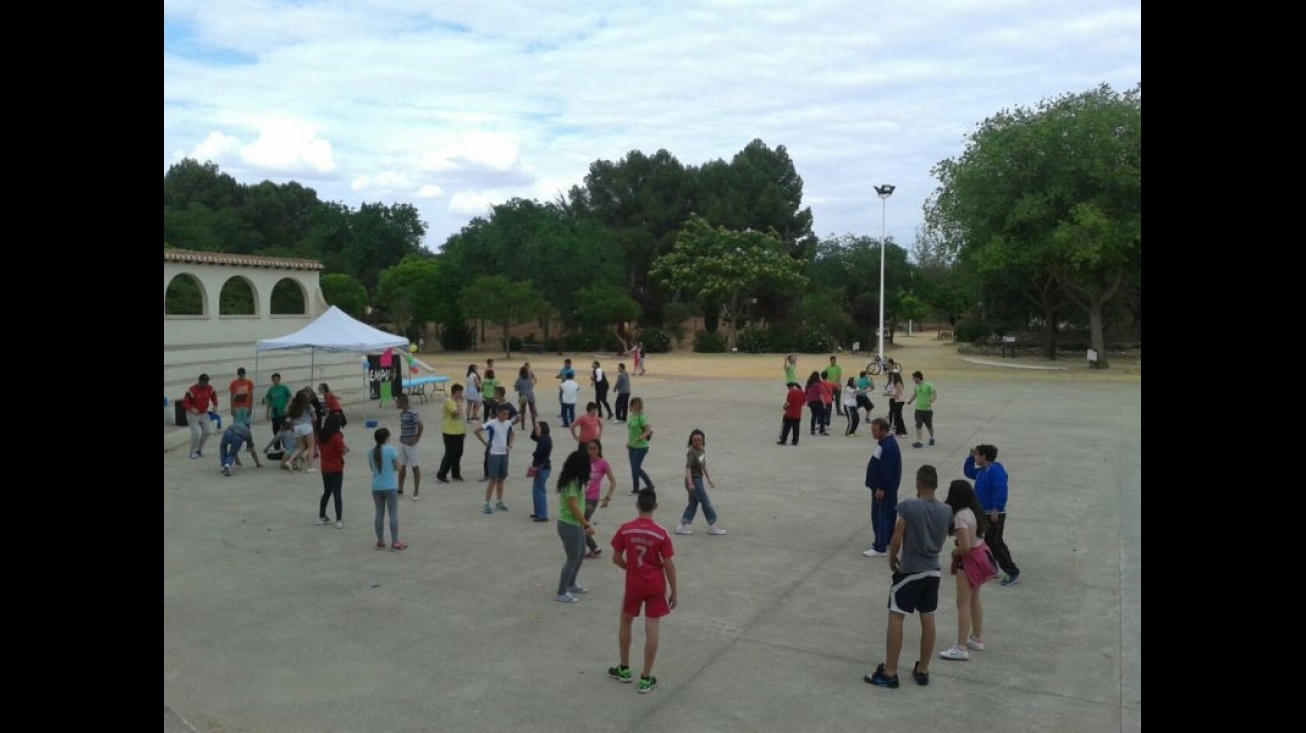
412	290
599	306
501	301
1054	194
717	265
344	292
380	237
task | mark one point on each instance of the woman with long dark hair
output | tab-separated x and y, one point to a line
573	528
333	450
896	401
971	557
383	460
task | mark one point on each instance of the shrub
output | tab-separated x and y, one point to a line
709	343
554	344
755	341
971	330
514	343
656	340
815	341
456	336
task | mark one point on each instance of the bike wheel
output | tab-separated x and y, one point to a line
872	369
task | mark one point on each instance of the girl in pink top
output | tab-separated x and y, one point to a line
971	566
599	468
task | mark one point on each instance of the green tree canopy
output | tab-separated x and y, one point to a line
718	265
496	299
344	292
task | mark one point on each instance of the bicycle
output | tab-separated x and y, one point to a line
876	366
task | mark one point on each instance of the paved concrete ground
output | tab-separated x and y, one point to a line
273	623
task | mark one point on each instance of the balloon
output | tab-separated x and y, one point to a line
412	348
412	369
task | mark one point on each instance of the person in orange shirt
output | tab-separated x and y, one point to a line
829	397
242	398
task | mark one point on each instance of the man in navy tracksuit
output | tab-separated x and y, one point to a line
991	490
883	474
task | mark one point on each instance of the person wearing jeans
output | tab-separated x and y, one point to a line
542	465
695	474
638	432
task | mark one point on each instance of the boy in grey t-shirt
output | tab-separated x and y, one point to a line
918	537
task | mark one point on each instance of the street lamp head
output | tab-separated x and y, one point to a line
884	191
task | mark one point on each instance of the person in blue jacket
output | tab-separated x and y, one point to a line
883	474
991	489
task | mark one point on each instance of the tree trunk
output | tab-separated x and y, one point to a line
1050	334
507	345
734	308
1095	336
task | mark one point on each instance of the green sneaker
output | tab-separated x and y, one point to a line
501	507
620	674
646	684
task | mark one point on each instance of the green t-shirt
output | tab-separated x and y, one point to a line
835	373
791	373
278	397
924	396
488	388
635	428
564	509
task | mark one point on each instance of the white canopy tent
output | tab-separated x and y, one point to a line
333	331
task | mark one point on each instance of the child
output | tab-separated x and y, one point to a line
623	394
643	549
384	462
499	444
829	399
332	405
813	396
793	413
333	467
587	427
695	474
488	385
598	469
411	428
542	464
850	408
573	527
283	443
472	395
864	387
233	438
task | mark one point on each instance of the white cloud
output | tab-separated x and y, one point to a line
464	105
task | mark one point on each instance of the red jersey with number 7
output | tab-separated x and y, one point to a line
645	545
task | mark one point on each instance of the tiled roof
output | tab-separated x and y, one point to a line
220	258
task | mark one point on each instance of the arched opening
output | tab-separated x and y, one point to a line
185	297
237	298
288	298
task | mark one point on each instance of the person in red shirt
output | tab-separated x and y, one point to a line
331	444
829	398
199	399
587	427
793	415
241	392
643	549
332	405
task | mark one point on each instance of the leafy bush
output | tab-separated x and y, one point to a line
656	340
554	344
456	336
755	341
971	330
709	343
594	340
815	341
514	343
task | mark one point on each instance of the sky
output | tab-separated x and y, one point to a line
455	107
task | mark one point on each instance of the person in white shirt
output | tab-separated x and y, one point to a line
570	392
500	443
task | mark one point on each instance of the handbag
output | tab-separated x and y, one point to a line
532	472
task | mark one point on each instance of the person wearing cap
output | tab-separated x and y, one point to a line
199	399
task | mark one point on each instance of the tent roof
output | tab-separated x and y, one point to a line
335	330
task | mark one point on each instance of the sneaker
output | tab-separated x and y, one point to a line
194	455
957	653
621	674
380	545
501	506
414	497
397	546
340	525
400	492
565	598
931	441
539	519
576	590
683	529
975	644
918	444
922	678
872	552
646	684
459	478
880	679
487	509
715	530
442	480
779	442
323	520
226	470
310	470
1011	579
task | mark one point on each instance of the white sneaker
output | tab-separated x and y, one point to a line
872	552
340	525
414	497
323	520
975	644
957	654
715	530
684	529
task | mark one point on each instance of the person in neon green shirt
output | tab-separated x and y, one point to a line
638	431
791	369
924	409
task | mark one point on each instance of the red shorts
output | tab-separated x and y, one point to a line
655	605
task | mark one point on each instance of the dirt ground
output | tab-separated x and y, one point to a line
938	360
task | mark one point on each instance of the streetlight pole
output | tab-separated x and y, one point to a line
884	191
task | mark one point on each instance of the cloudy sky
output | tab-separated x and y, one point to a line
457	106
